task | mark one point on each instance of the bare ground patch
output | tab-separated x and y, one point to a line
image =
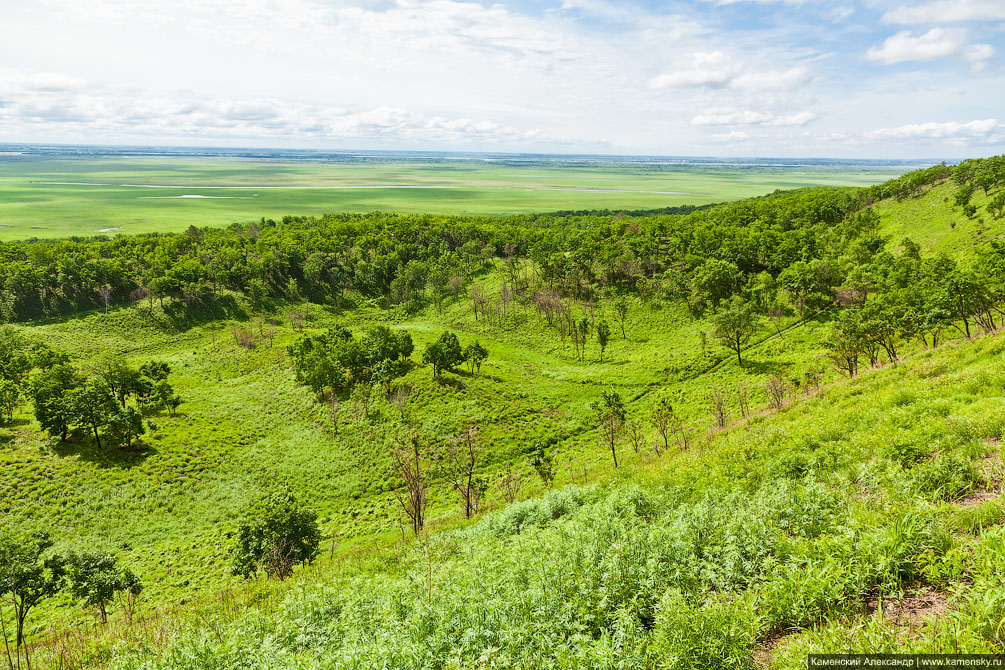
993	473
765	650
906	613
910	610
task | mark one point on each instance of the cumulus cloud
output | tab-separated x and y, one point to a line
947	11
904	46
715	69
748	117
978	55
950	130
703	68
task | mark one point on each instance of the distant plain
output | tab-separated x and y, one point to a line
57	195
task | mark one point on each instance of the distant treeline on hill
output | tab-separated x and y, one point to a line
679	209
819	244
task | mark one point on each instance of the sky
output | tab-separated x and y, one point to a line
786	78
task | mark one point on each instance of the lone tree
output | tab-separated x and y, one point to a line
461	459
277	533
92	406
443	354
735	325
10	399
621	310
52	393
25	576
662	417
603	336
96	579
610	410
410	463
543	463
475	354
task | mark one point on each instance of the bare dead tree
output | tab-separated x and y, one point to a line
361	401
511	482
460	463
106	295
505	295
243	336
455	284
636	435
776	313
335	406
777	389
410	462
297	320
718	405
399	398
278	558
478	299
743	398
269	331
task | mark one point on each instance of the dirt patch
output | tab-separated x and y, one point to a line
911	609
765	650
993	473
978	497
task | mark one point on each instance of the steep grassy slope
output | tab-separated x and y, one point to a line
778	537
782	530
934	222
245	424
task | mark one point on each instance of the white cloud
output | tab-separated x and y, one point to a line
978	55
773	80
711	68
14	80
506	75
122	115
904	46
948	11
748	117
951	130
721	118
717	70
730	137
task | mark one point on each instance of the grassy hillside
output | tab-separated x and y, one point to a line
935	222
246	423
841	517
864	517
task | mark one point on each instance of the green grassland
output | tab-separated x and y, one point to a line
792	529
935	223
814	528
787	529
245	423
44	196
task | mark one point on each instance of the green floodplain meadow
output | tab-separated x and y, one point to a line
62	195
